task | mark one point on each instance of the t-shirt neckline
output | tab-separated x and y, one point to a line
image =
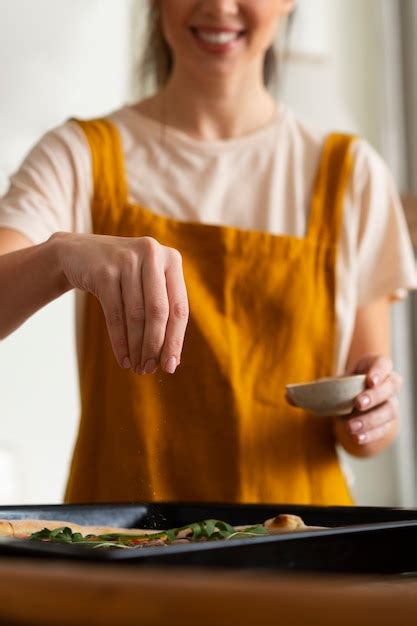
216	145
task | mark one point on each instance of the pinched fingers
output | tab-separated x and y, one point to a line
166	310
134	308
178	312
376	367
378	394
377	407
156	308
369	427
141	287
110	296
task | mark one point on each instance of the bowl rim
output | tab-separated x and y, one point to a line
324	381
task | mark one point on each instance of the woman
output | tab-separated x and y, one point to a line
293	245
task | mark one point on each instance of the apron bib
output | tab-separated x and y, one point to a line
262	314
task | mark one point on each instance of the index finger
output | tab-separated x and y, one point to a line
377	369
178	313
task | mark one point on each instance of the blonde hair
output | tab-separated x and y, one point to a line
157	61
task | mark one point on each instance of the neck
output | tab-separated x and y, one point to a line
211	109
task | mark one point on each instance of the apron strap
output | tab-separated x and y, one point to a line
108	168
332	179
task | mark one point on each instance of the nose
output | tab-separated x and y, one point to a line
220	7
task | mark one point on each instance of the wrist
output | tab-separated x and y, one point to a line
55	247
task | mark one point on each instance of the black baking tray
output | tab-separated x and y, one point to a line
357	540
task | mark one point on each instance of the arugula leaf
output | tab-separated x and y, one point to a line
127	537
61	535
207	530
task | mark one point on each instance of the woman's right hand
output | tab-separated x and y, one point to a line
141	288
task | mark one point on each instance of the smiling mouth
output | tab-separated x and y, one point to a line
217	38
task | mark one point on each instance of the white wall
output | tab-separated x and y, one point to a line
58	58
346	75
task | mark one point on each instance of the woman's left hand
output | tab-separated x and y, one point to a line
374	422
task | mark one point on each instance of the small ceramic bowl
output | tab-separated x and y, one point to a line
328	396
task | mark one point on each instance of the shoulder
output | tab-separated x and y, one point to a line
67	137
372	198
311	139
69	143
370	173
50	191
370	169
61	149
376	235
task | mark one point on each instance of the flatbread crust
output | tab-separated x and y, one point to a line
24	528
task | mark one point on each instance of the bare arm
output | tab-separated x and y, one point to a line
29	279
139	283
372	334
374	424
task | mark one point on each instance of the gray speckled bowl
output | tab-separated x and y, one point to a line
328	396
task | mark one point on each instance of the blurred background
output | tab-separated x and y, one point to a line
350	65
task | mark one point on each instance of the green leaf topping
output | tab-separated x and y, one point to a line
206	530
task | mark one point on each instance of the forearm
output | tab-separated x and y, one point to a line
30	278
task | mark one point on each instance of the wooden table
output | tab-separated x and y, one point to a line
77	594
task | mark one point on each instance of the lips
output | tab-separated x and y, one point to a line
217	39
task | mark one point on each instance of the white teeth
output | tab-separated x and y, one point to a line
217	38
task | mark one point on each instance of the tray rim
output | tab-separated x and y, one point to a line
22	547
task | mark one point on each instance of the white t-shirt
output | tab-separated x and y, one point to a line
261	181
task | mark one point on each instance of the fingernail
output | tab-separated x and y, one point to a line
126	363
150	366
355	426
362	438
171	365
375	378
364	401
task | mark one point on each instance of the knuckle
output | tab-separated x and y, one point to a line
158	311
370	421
150	246
153	345
174	255
180	310
390	388
393	382
115	317
120	344
151	349
373	435
129	260
108	272
173	346
136	315
393	404
384	412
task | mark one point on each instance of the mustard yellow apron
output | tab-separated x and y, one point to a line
262	315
